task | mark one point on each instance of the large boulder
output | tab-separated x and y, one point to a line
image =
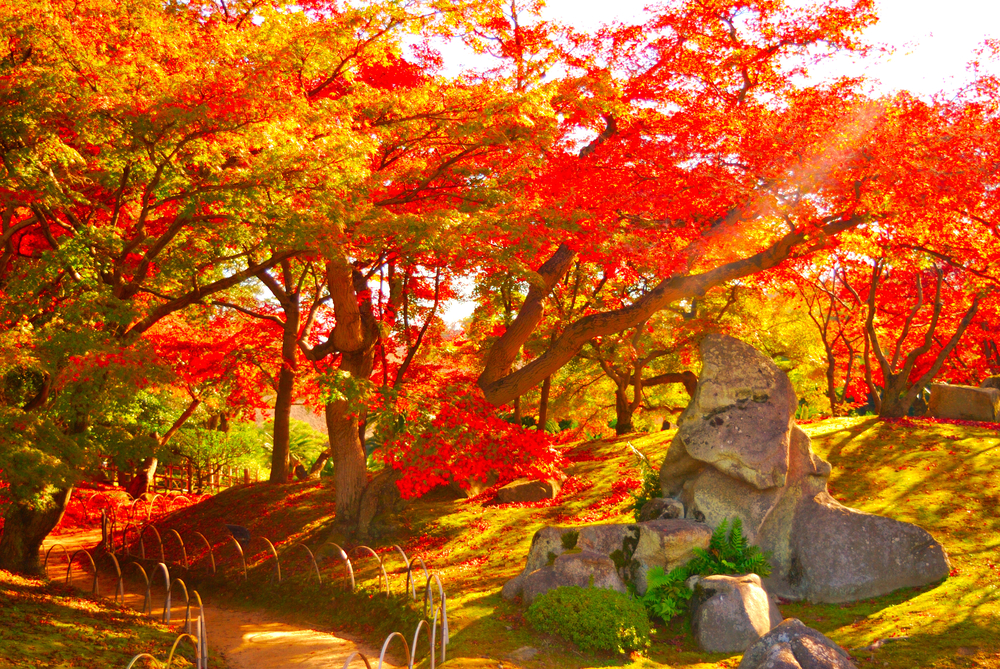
585	569
792	645
820	550
528	490
729	613
964	402
666	543
632	548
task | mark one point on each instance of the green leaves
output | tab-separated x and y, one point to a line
729	552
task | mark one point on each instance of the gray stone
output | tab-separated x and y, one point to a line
512	589
524	653
792	645
583	569
741	416
667	543
819	550
991	382
964	402
729	613
528	490
842	554
546	545
607	538
661	507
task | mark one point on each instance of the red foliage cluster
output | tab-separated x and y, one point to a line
3	499
424	545
86	503
607	506
464	443
915	422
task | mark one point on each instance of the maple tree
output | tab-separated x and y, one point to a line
205	196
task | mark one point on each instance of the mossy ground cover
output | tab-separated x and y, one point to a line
46	624
945	478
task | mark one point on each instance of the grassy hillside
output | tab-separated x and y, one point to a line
943	477
53	625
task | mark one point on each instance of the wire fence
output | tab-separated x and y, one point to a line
129	546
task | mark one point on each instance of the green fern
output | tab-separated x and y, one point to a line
728	552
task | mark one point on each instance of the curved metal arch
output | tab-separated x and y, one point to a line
158	540
344	558
381	566
211	555
95	589
125	547
187	602
149	511
444	612
142	656
312	558
184	553
146	602
202	631
173	649
411	583
381	657
243	559
161	566
277	563
45	563
355	654
120	586
430	629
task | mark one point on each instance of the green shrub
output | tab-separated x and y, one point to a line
728	552
592	618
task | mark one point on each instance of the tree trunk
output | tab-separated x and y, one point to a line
543	404
317	466
25	528
350	472
286	391
282	425
623	412
345	417
143	479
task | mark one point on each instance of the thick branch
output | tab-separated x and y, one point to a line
500	389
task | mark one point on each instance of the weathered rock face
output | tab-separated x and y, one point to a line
631	548
740	418
964	402
991	382
729	613
820	550
585	569
661	507
792	645
528	490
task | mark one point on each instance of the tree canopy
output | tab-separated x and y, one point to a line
209	209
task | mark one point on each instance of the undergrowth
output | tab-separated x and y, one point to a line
942	477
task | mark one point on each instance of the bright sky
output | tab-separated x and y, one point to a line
934	43
935	39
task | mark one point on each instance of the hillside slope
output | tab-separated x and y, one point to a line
943	477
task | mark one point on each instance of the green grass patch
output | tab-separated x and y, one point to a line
51	625
945	478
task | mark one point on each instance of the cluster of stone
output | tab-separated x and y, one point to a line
739	454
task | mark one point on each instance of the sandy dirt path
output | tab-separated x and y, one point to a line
244	639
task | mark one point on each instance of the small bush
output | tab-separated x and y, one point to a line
592	618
